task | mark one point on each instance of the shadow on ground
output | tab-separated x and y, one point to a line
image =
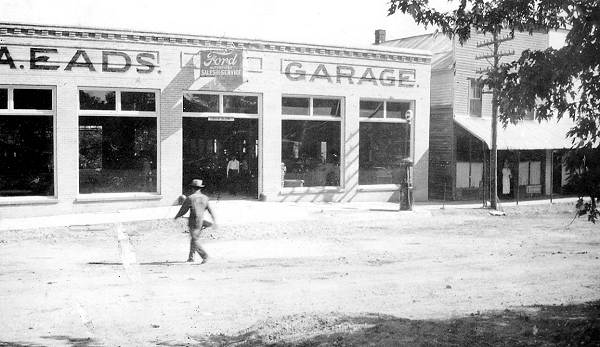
56	339
573	325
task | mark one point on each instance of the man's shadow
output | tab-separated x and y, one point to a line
150	263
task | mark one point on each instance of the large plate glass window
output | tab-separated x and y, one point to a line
26	141
311	141
118	150
384	141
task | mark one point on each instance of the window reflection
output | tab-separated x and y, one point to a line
117	154
3	99
138	101
200	103
240	104
310	153
396	109
382	146
26	156
96	100
371	109
32	99
295	106
326	107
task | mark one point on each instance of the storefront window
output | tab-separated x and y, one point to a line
26	152
295	106
117	154
382	148
240	104
26	143
3	99
384	141
138	101
310	153
200	102
33	99
97	100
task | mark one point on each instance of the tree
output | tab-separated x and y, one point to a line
562	82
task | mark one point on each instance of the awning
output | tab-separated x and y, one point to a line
526	135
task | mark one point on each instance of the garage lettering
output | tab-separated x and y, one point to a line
357	74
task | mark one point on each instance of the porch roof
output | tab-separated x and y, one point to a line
526	135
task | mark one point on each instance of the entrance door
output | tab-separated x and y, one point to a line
207	148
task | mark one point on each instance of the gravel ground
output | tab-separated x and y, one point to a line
333	277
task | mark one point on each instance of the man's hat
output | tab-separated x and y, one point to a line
197	183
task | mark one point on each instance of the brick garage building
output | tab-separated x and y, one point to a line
101	120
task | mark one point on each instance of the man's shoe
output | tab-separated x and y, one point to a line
204	260
190	260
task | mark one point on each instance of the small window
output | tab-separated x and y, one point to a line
138	101
240	104
530	115
295	106
475	91
326	107
371	109
32	99
3	99
97	100
200	102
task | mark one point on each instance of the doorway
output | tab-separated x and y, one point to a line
208	146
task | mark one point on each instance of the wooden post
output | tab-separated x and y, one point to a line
551	174
518	174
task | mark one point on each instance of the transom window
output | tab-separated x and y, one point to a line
118	141
220	103
311	106
112	100
27	141
380	109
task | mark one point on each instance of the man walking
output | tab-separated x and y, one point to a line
196	203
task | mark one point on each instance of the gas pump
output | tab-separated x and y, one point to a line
406	183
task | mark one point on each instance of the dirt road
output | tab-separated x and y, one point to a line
333	272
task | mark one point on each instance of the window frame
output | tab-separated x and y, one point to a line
470	98
222	114
118	111
11	111
93	197
312	117
385	119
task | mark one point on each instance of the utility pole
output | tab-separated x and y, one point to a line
496	54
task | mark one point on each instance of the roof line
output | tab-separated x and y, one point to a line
409	37
373	48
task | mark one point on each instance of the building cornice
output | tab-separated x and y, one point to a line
379	53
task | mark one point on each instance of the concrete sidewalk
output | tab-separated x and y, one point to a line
232	212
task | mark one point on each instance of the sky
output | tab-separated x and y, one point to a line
329	22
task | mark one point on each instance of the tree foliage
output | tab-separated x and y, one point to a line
563	82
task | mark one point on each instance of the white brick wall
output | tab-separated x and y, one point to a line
172	80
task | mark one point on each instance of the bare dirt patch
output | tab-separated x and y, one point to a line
450	277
